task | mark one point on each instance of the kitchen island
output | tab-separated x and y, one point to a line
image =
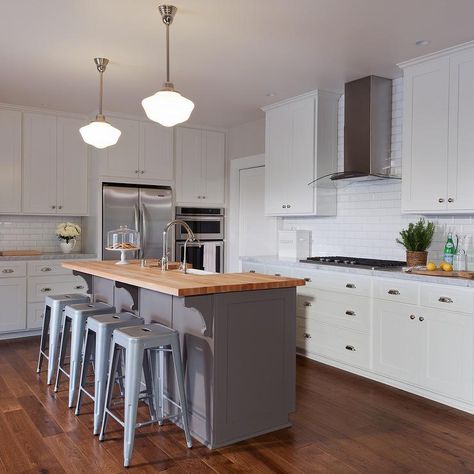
237	333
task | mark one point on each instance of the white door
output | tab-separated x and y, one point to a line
425	136
156	152
13	298
213	156
121	160
461	133
447	353
300	171
189	187
71	168
397	340
277	151
257	233
39	164
10	161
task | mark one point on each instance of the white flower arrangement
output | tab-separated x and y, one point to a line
67	231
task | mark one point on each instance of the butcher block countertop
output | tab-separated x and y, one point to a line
176	283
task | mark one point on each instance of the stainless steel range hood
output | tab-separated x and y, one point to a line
367	129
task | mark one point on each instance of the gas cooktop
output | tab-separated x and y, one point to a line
354	262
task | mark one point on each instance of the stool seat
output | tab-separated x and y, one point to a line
53	308
97	345
74	324
142	345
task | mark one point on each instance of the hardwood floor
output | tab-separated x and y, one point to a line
343	423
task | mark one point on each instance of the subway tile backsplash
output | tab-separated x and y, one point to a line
368	213
33	232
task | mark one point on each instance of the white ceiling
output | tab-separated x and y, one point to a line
226	55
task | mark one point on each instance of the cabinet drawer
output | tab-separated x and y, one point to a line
447	298
46	268
40	287
34	315
396	290
342	282
334	342
349	311
12	269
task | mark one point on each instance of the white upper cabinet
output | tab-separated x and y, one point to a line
438	143
39	163
144	150
200	166
71	168
54	165
300	145
10	161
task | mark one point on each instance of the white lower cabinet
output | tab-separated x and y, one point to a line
414	335
35	315
13	304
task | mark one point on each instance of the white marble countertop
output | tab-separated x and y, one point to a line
48	256
389	273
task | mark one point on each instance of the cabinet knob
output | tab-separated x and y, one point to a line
46	269
60	207
284	206
421	318
137	171
142	172
350	348
204	197
350	285
450	200
53	207
288	206
350	313
441	200
307	303
445	299
307	335
199	197
8	270
308	280
412	316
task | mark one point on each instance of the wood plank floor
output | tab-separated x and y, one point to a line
343	424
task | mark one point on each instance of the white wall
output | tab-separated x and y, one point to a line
33	232
246	140
368	213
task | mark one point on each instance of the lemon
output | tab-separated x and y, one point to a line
431	266
442	264
447	267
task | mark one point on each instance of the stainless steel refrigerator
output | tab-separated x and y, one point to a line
145	208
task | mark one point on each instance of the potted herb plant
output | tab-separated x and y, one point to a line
416	239
67	233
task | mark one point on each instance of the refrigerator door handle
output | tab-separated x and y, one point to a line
144	227
136	215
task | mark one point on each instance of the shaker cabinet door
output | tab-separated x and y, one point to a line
156	152
213	154
39	163
10	161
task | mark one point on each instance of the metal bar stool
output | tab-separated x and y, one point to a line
97	345
140	344
75	318
53	307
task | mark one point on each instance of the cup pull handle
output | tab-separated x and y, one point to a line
445	299
46	269
307	303
307	335
308	280
45	290
350	285
8	270
393	292
350	348
350	313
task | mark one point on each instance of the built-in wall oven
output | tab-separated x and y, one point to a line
208	226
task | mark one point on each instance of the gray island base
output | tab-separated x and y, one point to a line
238	350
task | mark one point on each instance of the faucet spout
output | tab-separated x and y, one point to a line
190	237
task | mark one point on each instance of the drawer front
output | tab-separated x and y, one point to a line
448	298
46	268
348	311
334	342
342	282
35	315
40	287
12	269
396	290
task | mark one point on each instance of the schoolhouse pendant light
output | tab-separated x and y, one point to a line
100	133
168	107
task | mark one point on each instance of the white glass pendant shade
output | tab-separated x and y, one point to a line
168	108
100	134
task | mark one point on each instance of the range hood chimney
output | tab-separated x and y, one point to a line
367	129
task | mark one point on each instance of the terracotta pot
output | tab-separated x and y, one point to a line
416	259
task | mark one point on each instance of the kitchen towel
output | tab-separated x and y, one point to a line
209	257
